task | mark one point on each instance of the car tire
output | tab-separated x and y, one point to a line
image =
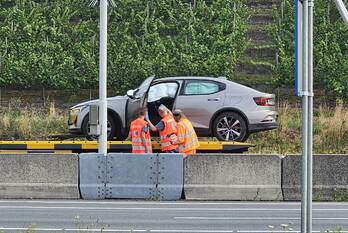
224	132
112	129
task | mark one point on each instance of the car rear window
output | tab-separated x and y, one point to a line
201	88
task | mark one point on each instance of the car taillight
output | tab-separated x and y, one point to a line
264	101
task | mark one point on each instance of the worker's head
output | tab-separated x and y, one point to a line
142	113
178	114
162	111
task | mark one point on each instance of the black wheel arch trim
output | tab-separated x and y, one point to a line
113	114
227	109
118	121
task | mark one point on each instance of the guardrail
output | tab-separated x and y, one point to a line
233	177
39	176
165	176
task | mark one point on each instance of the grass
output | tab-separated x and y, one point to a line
28	123
330	128
330	131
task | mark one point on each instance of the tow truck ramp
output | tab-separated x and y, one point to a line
113	146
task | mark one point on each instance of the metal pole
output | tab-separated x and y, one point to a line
102	146
310	116
304	119
343	10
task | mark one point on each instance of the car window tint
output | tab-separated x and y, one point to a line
201	88
161	90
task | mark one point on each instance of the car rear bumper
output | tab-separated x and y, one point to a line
253	128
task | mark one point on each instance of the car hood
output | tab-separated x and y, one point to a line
110	99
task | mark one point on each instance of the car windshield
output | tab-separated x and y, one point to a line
143	87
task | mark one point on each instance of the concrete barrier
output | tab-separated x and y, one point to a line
330	177
232	177
39	176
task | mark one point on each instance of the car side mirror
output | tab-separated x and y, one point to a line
130	93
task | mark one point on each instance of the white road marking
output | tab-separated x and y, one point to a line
277	231
253	218
183	202
70	229
271	231
198	231
158	208
170	202
138	230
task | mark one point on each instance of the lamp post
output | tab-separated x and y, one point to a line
103	115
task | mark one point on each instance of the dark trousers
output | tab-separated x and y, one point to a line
171	151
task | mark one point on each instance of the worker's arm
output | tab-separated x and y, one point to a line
152	127
144	141
129	137
181	135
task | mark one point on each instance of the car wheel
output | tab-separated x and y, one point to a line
230	126
111	129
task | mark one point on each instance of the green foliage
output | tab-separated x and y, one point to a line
55	44
330	47
336	230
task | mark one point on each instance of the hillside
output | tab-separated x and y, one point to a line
260	56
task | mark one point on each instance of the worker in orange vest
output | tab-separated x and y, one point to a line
140	134
167	130
186	135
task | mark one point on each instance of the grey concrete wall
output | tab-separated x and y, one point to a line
232	177
206	176
39	176
330	177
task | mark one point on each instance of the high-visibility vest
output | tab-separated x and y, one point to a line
136	129
188	135
170	126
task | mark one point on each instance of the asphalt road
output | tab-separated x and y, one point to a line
171	217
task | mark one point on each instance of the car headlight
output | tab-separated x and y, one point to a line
75	111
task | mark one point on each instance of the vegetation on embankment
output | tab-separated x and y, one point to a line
55	44
330	128
330	131
27	123
330	47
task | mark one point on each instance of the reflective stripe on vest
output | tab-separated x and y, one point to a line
170	126
136	130
190	137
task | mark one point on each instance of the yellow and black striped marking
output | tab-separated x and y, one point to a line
113	146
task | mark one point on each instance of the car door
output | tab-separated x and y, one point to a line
199	100
138	99
161	93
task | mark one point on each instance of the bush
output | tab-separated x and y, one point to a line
330	47
54	44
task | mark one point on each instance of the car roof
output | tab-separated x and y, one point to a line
236	86
191	78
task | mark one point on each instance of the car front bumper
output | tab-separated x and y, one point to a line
73	128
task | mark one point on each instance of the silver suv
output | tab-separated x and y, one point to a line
215	106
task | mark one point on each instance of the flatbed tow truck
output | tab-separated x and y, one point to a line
113	146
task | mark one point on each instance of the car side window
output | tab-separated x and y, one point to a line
201	88
160	90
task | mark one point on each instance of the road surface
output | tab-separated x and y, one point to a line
167	217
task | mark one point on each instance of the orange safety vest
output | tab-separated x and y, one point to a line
170	126
187	134
136	129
